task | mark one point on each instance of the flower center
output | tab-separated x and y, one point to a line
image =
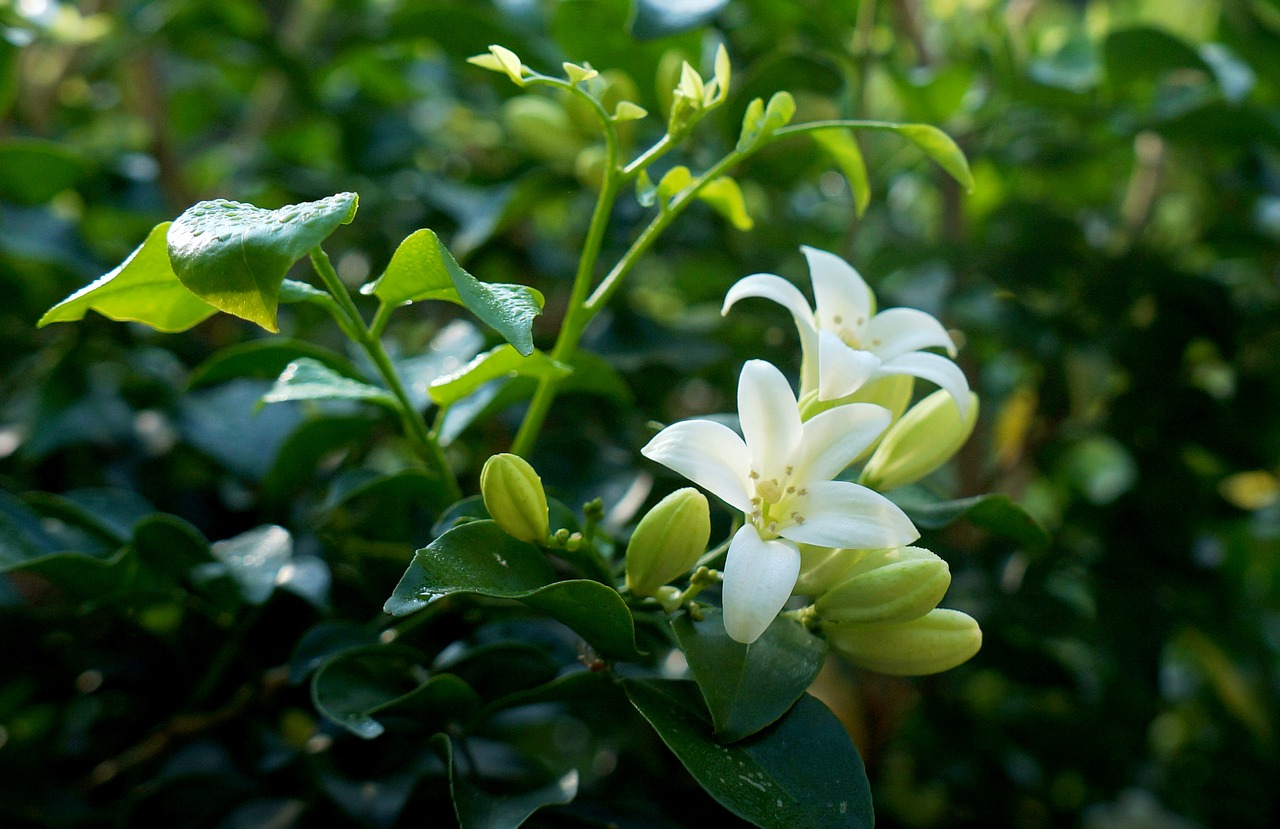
848	334
776	505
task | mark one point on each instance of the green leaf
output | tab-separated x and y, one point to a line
353	686
169	544
142	289
843	148
234	256
939	147
672	182
423	269
748	687
995	512
1147	52
503	361
478	557
33	171
266	359
760	121
725	196
801	773
478	809
308	379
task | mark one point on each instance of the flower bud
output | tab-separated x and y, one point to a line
887	586
514	497
921	441
935	642
821	568
668	541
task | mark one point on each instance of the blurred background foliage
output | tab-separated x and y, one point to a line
1115	275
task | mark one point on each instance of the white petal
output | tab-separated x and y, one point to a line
841	514
709	454
835	437
842	370
838	291
758	578
770	417
934	368
768	286
896	331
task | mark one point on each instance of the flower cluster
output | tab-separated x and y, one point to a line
806	531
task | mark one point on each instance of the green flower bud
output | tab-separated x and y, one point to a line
921	441
887	586
514	496
935	642
821	568
668	541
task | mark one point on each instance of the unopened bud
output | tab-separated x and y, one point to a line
935	642
821	568
514	497
887	586
921	441
668	541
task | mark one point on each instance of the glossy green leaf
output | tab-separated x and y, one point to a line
503	361
843	149
801	773
142	289
423	269
309	379
725	196
301	459
761	120
499	668
672	182
748	687
478	557
995	512
234	256
356	684
324	641
478	809
106	515
32	170
266	359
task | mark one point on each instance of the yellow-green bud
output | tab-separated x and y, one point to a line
514	497
935	642
823	567
921	441
668	541
887	586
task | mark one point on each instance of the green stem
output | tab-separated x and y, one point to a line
574	321
415	427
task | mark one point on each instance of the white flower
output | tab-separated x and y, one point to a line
780	476
846	344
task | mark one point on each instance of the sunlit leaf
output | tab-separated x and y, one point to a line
423	269
234	256
308	379
142	289
725	196
503	361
